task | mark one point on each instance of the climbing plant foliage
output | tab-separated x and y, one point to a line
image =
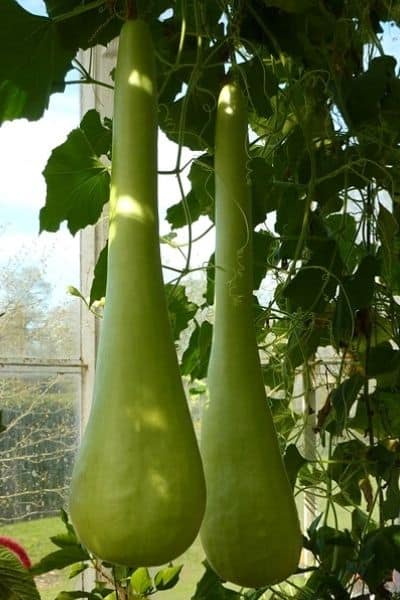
323	96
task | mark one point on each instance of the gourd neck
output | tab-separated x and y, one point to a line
133	200
233	253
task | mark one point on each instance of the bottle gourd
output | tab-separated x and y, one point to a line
250	533
137	494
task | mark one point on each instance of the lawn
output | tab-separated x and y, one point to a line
34	536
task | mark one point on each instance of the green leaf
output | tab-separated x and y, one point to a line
254	594
33	62
195	358
184	212
77	569
343	229
360	287
99	134
3	427
67	524
325	254
304	339
392	500
382	358
332	546
210	586
292	6
324	586
387	228
307	290
190	120
335	174
289	220
77	181
60	559
209	294
361	523
15	579
356	294
365	92
381	461
200	200
387	407
294	461
379	555
167	578
140	581
180	310
98	288
385	417
342	399
261	84
264	196
62	540
347	468
263	246
200	125
86	29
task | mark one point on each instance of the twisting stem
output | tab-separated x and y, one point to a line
367	333
101	571
79	10
89	81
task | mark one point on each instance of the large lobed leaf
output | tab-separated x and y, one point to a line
33	62
77	180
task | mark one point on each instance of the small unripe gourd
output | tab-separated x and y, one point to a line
137	495
250	533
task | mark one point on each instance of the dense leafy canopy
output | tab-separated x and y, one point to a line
324	113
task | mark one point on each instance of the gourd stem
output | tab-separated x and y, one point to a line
131	9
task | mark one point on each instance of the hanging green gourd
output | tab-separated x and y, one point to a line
250	532
137	495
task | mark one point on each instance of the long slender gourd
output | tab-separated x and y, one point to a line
137	495
250	532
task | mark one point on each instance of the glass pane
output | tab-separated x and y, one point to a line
39	319
33	323
36	456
